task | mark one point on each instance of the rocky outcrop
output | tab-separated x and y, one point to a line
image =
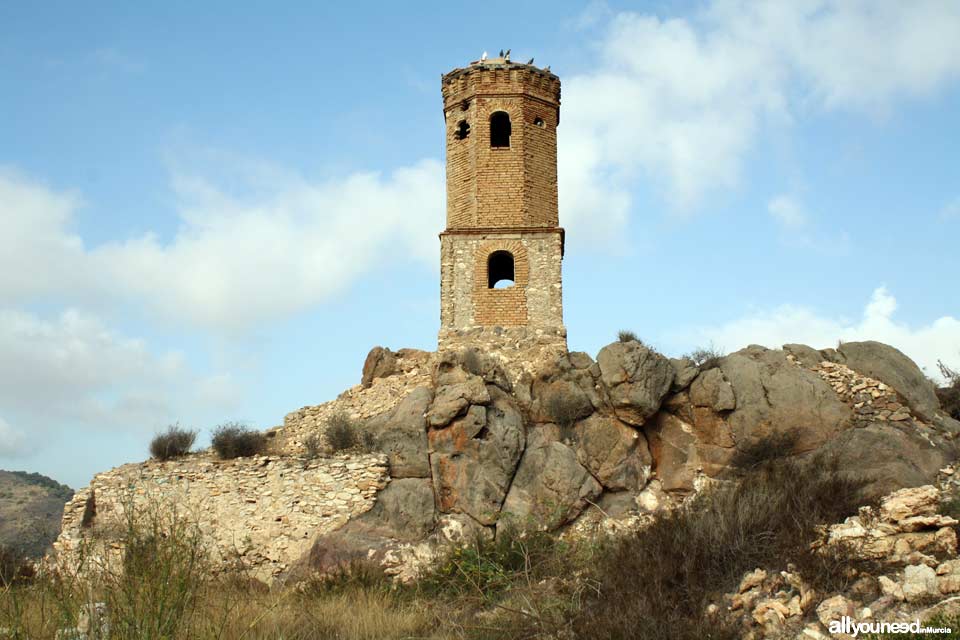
474	458
474	439
637	379
402	435
550	487
892	367
773	395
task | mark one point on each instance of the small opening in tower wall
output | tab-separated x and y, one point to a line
500	270
538	121
500	129
463	130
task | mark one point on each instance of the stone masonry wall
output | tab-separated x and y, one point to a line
465	300
260	513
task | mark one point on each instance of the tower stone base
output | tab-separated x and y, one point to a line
473	311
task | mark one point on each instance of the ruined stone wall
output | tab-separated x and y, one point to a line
536	299
260	513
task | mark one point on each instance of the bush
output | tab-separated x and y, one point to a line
628	336
563	409
173	443
11	565
656	583
949	394
706	357
313	445
233	440
346	434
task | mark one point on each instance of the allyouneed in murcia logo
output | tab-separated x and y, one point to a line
852	628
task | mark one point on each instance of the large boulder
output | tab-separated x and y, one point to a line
551	488
474	458
711	389
380	363
404	512
637	379
891	366
402	435
458	391
616	455
682	449
891	455
775	396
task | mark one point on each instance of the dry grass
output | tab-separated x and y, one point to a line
525	584
175	442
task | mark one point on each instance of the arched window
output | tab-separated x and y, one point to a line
463	130
500	270
500	129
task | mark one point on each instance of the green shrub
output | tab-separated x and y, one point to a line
656	583
233	440
485	567
175	442
628	336
346	434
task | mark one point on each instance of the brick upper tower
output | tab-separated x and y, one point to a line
502	248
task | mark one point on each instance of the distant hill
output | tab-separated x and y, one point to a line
31	506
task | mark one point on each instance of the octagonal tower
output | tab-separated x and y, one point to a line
502	249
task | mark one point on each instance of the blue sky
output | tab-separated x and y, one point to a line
211	213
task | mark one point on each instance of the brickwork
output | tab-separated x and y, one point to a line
500	307
501	198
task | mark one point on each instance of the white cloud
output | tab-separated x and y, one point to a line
683	100
73	372
788	212
238	258
12	442
939	340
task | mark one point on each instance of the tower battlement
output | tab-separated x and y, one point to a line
502	248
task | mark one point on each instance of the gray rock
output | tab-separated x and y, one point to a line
380	363
560	401
404	510
402	435
616	455
580	360
453	398
619	504
806	356
460	529
474	458
452	365
711	389
551	488
685	370
637	379
775	396
888	365
891	456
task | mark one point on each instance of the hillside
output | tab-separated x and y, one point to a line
31	506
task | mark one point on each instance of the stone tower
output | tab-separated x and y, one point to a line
500	255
